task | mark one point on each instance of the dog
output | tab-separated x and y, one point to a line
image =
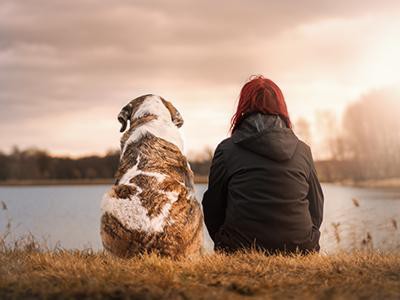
152	205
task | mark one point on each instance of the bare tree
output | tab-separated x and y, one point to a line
330	129
302	128
372	132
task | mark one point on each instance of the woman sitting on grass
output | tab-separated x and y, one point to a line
263	190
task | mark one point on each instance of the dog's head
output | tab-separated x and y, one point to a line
150	106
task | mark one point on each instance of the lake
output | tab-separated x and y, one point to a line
69	216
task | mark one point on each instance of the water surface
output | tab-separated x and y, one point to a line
69	216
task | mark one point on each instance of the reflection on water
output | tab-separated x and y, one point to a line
70	215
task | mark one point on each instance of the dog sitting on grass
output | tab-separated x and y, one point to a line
152	206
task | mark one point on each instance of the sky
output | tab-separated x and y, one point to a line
67	67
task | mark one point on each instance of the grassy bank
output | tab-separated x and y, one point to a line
65	274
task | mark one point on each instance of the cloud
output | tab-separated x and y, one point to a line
65	58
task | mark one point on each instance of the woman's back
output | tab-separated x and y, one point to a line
263	189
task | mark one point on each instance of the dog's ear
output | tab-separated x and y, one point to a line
175	115
124	116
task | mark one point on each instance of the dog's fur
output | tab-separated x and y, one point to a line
152	206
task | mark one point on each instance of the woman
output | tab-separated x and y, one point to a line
263	189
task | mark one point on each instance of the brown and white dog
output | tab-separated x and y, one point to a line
152	206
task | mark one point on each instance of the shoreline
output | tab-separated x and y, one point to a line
66	182
374	183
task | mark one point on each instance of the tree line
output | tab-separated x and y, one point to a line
36	164
365	144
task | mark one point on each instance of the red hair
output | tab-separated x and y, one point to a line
260	95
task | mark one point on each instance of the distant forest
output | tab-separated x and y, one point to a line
366	145
35	164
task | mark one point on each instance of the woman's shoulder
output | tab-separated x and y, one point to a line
305	147
306	152
225	145
223	149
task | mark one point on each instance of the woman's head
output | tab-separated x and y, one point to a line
260	95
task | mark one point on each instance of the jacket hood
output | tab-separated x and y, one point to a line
266	135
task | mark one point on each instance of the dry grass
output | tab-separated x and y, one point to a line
29	270
28	273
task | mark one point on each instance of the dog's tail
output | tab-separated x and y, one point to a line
124	116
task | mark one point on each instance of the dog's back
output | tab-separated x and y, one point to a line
152	207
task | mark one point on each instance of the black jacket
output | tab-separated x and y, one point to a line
263	190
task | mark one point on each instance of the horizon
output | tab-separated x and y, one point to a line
66	75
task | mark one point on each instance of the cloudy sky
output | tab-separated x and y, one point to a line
67	67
